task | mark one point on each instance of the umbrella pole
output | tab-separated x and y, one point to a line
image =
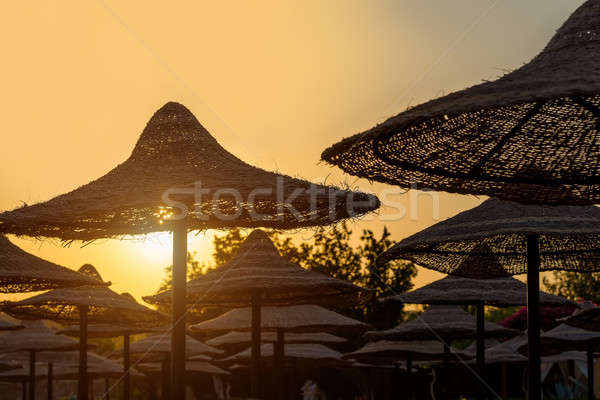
533	317
126	366
179	310
255	350
503	377
279	353
166	381
24	389
50	381
107	388
590	373
480	343
445	381
82	389
31	375
409	372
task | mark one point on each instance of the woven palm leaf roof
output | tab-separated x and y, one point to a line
445	322
36	336
301	318
566	338
258	265
505	352
495	233
529	136
24	272
177	158
7	325
104	306
499	292
65	366
236	337
307	352
109	330
192	367
161	344
587	318
386	351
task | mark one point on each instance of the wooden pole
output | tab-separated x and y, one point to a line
82	390
590	372
480	344
409	374
126	367
166	381
24	389
533	317
255	349
445	381
279	356
31	375
107	388
503	378
179	310
50	381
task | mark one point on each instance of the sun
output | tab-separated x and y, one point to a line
156	247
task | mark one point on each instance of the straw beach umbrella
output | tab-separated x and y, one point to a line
588	318
237	338
98	304
529	136
522	238
23	272
258	275
440	322
35	338
499	292
312	352
6	325
178	178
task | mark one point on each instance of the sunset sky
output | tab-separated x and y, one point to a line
274	82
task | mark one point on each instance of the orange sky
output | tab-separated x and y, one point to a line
275	83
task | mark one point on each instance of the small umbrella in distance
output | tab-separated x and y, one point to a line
79	305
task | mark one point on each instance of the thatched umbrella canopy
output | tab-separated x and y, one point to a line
178	178
7	325
521	238
7	364
445	323
36	337
312	353
257	269
98	304
244	338
301	318
24	272
528	136
587	318
393	352
500	292
192	367
160	344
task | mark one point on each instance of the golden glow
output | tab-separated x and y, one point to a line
274	81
